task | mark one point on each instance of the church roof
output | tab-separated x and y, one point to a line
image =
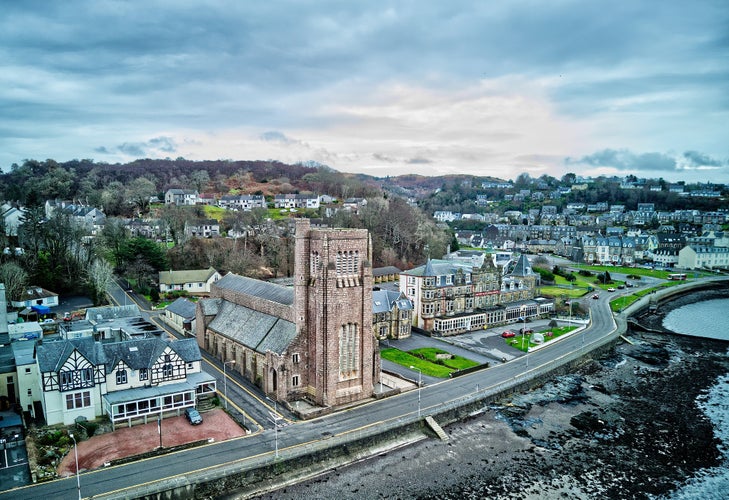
254	329
261	289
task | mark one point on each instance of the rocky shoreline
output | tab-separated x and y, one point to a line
625	426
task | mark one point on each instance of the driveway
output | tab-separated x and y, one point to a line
130	441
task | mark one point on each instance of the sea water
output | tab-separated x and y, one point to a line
707	319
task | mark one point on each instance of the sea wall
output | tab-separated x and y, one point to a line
260	474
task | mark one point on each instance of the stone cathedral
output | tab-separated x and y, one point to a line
311	342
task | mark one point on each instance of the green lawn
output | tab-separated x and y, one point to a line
213	212
521	344
456	362
428	367
555	291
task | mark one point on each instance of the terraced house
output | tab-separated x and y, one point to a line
451	297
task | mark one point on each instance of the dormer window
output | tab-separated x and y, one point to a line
121	377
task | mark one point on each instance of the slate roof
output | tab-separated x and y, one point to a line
210	307
128	395
182	307
438	268
112	312
255	330
186	276
384	271
36	293
141	353
383	301
522	267
261	289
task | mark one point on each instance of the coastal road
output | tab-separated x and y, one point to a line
261	445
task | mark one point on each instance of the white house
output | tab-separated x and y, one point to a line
181	197
13	218
194	281
296	201
703	257
36	296
130	381
181	315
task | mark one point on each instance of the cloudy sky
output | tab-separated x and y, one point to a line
381	87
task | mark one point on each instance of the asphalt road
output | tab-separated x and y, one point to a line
117	478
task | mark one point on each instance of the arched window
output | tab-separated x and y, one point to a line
348	351
340	264
315	263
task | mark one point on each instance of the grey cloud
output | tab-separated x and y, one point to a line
275	136
142	149
418	161
623	159
383	157
165	144
702	160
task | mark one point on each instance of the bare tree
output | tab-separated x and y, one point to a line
139	191
15	279
99	277
200	179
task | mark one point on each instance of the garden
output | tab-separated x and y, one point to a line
551	333
430	361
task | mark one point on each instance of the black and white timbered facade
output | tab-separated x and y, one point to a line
128	381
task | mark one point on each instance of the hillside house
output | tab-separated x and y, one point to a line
192	281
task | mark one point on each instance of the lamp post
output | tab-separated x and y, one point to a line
570	322
275	417
524	333
225	381
380	376
420	383
75	453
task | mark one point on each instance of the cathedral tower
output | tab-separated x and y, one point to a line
333	312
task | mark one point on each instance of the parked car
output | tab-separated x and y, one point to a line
629	284
611	289
596	296
620	287
508	334
193	416
526	330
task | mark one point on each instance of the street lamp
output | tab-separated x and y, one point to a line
75	453
225	381
570	322
524	333
420	383
275	418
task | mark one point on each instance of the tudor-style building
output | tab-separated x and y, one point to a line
129	381
311	342
451	297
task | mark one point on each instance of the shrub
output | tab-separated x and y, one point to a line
545	274
584	272
89	427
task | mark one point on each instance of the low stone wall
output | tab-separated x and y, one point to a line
259	474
